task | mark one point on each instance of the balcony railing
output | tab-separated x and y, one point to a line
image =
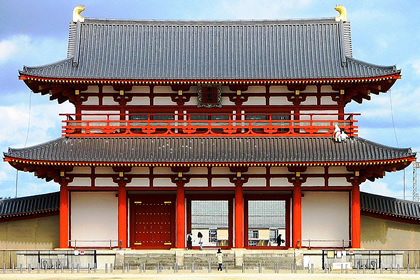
208	125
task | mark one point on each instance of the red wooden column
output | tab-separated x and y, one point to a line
180	216
239	216
355	216
122	215
64	215
297	216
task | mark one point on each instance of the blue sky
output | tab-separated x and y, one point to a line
35	33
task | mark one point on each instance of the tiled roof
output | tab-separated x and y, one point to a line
389	206
30	205
209	50
208	150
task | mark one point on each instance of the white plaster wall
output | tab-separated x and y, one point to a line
338	170
163	182
226	101
256	170
256	89
327	100
100	115
280	170
221	170
80	182
140	89
197	182
94	216
104	170
80	170
92	89
325	216
108	89
140	100
311	89
337	182
278	100
164	100
279	89
314	182
139	182
315	170
109	100
105	182
327	88
255	182
332	116
197	170
139	170
162	170
279	182
162	89
221	182
193	101
255	100
310	100
92	100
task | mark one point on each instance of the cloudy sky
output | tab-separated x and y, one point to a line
34	33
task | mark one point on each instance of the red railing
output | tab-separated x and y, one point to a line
140	125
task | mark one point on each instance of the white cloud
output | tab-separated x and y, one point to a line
416	65
21	48
380	188
9	47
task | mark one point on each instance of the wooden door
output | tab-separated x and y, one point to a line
152	222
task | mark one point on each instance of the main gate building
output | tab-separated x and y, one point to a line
219	127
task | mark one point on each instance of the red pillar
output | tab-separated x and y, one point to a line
355	216
64	216
122	216
297	217
239	216
180	216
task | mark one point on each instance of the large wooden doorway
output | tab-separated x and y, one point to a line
152	221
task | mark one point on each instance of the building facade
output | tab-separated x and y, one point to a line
220	127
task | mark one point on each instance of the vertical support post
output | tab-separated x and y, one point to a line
239	215
297	216
355	216
64	215
180	215
122	214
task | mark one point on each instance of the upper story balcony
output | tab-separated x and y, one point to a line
207	125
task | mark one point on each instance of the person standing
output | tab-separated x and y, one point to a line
189	240
219	256
200	240
279	240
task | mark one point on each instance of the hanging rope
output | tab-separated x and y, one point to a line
26	140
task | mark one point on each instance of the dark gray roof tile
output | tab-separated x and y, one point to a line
209	50
30	205
209	150
389	206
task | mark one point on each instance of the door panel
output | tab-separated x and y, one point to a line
152	222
